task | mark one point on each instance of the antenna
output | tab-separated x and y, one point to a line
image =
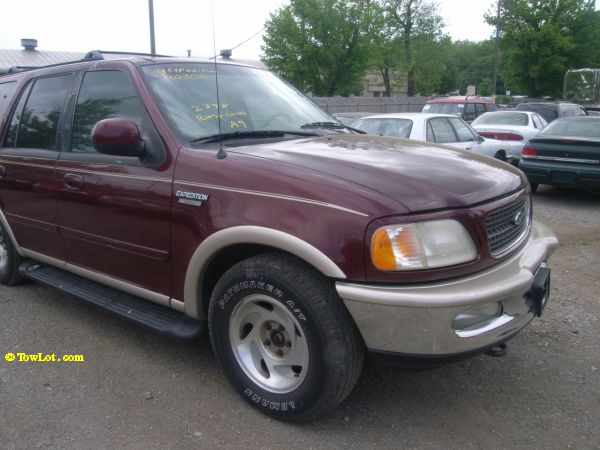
221	154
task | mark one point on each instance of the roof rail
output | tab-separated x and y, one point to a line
94	55
99	54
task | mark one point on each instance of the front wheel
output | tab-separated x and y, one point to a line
9	260
284	338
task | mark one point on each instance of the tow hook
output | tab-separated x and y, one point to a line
498	350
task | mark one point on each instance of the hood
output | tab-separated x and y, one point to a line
419	175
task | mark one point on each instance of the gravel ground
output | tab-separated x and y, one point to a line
139	390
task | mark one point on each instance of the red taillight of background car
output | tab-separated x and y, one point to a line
502	136
529	151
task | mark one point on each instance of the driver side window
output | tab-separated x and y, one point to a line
103	94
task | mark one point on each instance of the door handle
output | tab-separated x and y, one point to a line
73	181
468	147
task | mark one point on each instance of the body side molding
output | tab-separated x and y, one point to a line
247	235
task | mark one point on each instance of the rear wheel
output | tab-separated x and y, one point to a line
284	338
501	155
9	260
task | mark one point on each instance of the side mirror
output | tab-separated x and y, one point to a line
118	137
480	138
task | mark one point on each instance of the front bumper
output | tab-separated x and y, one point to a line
418	319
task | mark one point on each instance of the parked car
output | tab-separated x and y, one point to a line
466	107
136	185
565	153
513	127
439	128
553	110
348	117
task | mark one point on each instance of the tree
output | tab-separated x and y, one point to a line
541	39
319	45
414	27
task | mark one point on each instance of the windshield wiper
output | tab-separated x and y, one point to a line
327	125
331	126
248	134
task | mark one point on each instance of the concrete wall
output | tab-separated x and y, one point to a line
371	104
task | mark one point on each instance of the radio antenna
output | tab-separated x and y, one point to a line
221	154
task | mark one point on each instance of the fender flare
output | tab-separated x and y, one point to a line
205	252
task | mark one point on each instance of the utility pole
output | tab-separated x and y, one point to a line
151	14
497	49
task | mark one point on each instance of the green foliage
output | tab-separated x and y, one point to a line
319	45
541	39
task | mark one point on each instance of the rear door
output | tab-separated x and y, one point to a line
28	186
114	212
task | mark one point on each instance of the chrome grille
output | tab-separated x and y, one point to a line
503	227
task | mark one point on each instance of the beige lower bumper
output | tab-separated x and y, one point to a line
418	319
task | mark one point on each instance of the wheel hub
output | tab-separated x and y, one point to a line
268	343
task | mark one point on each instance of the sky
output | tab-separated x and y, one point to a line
180	25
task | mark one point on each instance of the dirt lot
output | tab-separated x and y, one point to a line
139	390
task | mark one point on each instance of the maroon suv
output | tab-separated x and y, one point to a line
135	185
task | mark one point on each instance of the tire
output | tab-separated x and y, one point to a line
501	155
10	260
284	338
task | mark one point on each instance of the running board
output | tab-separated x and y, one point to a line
160	318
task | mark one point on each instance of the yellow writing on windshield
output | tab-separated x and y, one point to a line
203	117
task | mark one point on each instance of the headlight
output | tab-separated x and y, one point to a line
422	245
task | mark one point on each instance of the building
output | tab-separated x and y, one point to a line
29	56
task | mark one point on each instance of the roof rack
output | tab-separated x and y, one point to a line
93	55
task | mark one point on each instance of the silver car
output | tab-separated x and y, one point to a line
439	128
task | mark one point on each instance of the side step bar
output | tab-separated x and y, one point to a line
152	315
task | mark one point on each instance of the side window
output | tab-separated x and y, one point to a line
463	131
11	137
537	122
479	108
470	112
6	92
581	111
36	124
441	131
103	94
491	107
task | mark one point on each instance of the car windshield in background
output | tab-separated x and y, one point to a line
503	118
385	127
444	108
250	100
583	127
547	111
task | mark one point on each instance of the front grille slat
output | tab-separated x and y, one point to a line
503	231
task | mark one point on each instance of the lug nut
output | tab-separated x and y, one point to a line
267	326
267	342
281	328
279	352
288	343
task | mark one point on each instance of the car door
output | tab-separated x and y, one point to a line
114	212
28	187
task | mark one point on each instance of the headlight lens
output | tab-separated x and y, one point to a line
422	245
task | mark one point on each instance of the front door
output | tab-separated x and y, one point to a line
114	212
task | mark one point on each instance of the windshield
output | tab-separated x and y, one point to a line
385	127
250	100
444	108
502	118
548	111
574	127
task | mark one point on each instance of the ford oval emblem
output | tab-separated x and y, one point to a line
518	219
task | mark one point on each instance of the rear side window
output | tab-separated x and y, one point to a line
35	125
6	92
470	112
491	107
441	131
103	94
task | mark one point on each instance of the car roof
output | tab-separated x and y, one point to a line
460	99
409	116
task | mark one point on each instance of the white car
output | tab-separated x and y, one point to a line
513	127
439	128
